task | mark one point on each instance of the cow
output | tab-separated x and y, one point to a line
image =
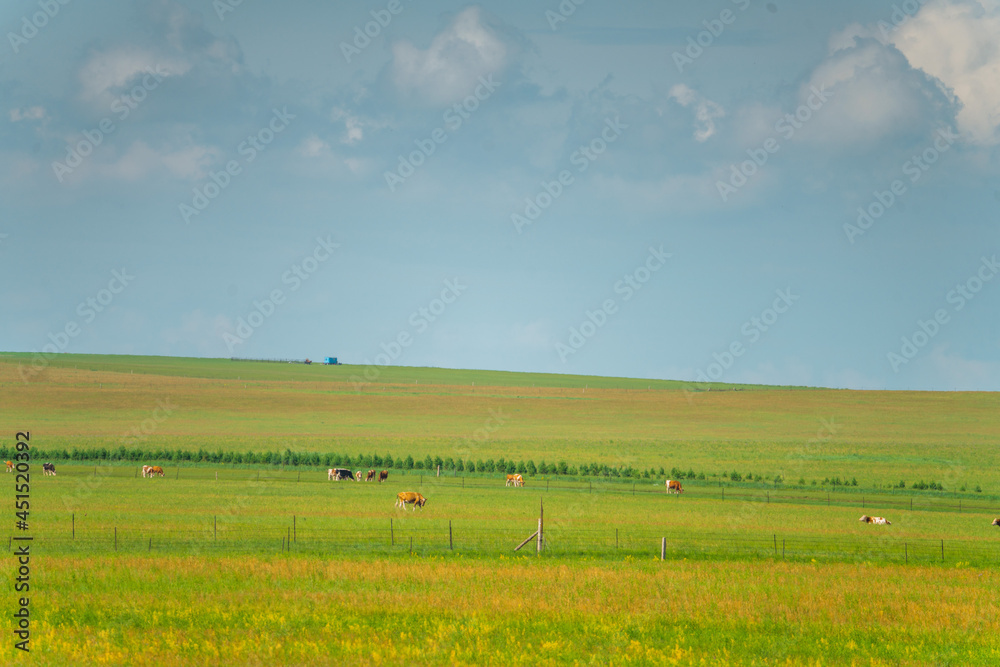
337	474
511	481
518	480
404	498
10	466
673	486
996	522
48	469
146	470
358	475
156	470
370	477
382	476
878	520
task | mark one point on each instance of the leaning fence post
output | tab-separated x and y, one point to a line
541	514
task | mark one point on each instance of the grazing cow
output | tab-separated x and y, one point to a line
510	481
878	520
673	486
337	474
518	480
404	498
156	470
48	469
996	522
371	476
358	475
382	476
146	470
10	466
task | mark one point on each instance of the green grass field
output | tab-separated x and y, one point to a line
263	564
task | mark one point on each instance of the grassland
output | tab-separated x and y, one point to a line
877	437
192	569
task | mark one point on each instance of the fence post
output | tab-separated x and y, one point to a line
663	548
294	537
911	503
616	538
541	514
215	528
150	544
906	556
942	551
451	544
73	515
775	545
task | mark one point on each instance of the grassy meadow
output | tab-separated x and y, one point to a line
273	565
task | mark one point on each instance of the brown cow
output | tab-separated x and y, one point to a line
673	486
511	481
156	470
382	476
878	520
371	476
404	498
146	470
10	466
996	522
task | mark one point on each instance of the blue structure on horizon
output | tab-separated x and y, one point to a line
330	361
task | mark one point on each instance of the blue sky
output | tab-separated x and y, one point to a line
744	191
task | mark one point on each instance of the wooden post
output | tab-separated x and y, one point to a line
150	544
541	515
451	545
392	539
942	551
663	548
775	545
439	471
911	504
73	516
215	528
294	537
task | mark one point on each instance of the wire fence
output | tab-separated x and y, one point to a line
442	537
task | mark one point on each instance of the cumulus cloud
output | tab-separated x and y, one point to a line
958	43
705	110
448	69
107	73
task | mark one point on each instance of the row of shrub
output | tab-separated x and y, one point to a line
370	461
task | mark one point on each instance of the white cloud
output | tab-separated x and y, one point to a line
30	113
313	146
958	43
705	110
448	70
106	73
